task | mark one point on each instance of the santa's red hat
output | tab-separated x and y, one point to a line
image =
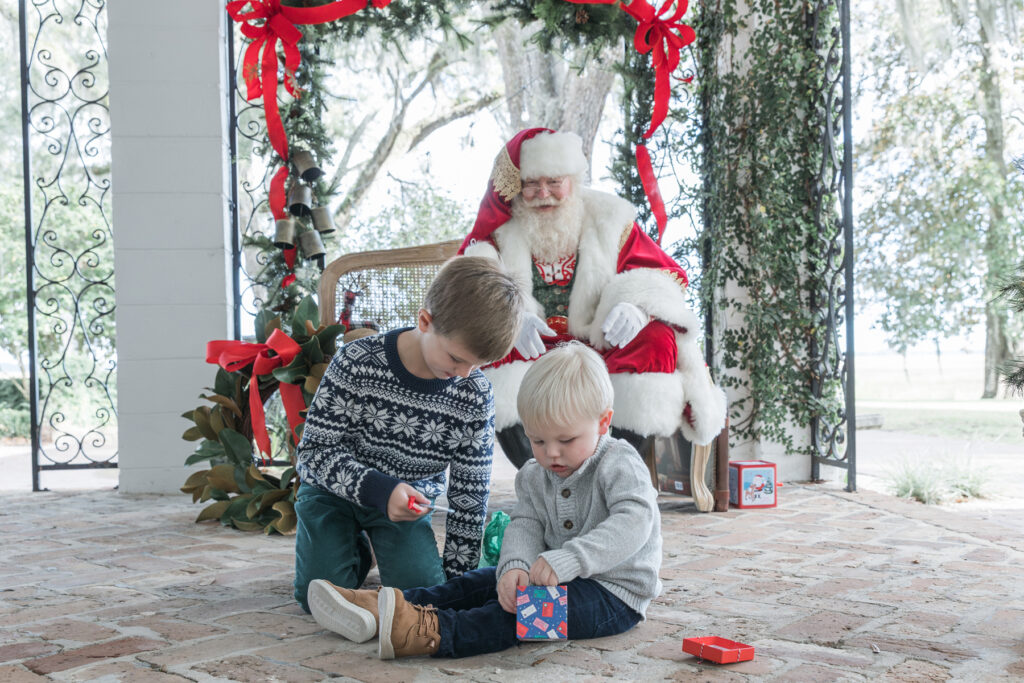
532	153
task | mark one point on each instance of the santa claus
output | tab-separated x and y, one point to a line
594	275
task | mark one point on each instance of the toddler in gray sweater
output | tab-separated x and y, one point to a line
586	517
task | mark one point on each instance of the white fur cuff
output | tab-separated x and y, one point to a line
653	291
707	402
648	403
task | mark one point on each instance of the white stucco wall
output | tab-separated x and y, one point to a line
789	466
172	253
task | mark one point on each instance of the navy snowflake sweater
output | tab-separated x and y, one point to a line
373	424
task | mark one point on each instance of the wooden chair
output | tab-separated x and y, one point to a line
392	283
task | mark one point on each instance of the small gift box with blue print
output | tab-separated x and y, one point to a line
541	613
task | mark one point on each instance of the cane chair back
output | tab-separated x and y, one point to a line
390	283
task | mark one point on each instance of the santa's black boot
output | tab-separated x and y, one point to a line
515	444
642	444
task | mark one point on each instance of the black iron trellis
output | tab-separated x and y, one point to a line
833	303
236	240
68	241
249	171
250	185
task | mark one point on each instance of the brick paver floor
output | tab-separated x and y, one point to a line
102	586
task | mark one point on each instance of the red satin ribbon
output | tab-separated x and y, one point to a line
660	32
277	194
651	189
267	23
235	355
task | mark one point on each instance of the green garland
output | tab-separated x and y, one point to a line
564	24
303	122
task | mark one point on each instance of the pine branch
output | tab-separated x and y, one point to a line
1013	376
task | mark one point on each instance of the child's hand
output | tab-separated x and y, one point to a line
541	574
398	504
507	588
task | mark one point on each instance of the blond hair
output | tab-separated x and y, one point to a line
475	302
568	383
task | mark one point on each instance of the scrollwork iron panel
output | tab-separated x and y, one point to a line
833	436
250	186
69	239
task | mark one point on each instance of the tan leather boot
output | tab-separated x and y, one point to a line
350	613
406	630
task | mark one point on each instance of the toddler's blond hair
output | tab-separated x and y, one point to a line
568	383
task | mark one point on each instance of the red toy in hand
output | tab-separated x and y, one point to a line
416	507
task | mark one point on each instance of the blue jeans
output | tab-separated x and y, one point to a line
331	543
472	622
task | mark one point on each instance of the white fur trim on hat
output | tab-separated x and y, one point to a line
551	155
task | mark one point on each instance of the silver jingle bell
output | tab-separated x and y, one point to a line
300	200
284	233
306	166
311	244
322	220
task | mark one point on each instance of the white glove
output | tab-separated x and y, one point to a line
529	344
623	323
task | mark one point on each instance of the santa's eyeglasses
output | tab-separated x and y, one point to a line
549	184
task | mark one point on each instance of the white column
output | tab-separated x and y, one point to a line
172	249
733	57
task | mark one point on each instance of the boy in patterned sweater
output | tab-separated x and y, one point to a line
392	413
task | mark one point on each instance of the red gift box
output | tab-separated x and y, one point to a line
752	484
718	650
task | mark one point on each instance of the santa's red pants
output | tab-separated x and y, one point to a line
653	350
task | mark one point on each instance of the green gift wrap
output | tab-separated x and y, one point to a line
493	533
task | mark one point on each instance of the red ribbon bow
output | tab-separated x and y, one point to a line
661	33
268	23
235	355
664	38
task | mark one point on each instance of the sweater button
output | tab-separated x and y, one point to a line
568	524
566	493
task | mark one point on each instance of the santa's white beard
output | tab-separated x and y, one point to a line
552	235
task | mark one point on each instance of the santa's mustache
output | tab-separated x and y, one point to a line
542	201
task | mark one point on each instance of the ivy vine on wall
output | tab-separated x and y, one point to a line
761	150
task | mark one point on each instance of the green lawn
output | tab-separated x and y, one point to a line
954	424
937	396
